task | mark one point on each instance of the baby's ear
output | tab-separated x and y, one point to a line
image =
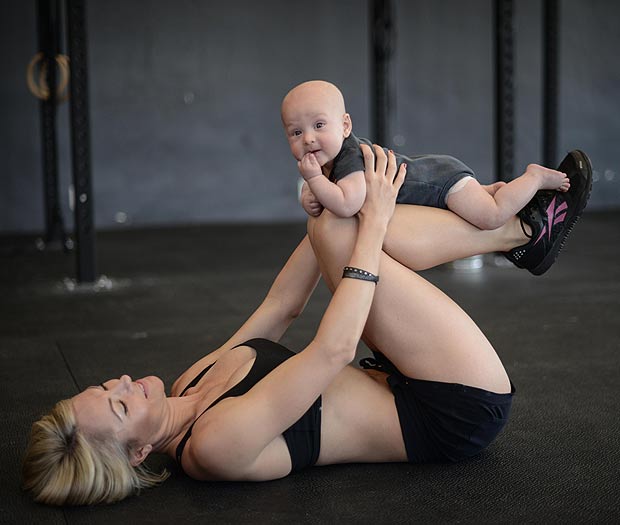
347	125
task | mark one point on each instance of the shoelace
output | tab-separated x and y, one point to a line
528	235
540	204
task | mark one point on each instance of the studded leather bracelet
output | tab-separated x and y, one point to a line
357	273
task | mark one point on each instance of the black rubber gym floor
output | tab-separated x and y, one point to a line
180	292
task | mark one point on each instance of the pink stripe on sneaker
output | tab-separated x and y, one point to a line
550	213
540	236
554	216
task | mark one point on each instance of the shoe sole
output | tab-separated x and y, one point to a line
585	167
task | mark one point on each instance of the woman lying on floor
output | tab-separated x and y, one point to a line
253	410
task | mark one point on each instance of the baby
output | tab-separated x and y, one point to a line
319	132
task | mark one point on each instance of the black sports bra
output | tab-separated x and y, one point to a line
303	438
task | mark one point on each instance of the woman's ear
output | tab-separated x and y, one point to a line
138	455
347	125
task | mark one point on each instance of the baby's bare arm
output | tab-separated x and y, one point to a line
345	198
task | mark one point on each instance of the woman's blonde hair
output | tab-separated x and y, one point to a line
63	466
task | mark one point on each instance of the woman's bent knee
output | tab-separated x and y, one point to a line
328	229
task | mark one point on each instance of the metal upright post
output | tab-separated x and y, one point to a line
504	90
550	81
48	28
382	93
80	142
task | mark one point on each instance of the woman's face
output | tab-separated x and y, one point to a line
133	411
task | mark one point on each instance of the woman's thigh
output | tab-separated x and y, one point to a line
419	328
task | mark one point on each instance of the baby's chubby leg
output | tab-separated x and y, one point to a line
491	189
489	210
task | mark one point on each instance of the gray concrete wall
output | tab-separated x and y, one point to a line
185	99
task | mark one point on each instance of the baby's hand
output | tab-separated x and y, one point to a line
310	203
309	167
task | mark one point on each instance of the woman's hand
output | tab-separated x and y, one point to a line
383	181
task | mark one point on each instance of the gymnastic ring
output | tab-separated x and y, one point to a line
41	89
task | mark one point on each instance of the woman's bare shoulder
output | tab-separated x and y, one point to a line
209	457
199	455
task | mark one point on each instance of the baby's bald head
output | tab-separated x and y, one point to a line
315	121
312	94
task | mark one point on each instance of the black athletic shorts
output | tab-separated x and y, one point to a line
443	421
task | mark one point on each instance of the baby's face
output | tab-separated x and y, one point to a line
315	122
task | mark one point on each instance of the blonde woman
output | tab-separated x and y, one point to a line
253	410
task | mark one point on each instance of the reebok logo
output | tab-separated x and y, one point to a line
554	216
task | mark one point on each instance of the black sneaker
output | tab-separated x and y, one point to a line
552	214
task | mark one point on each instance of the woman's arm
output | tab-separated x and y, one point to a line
254	420
284	302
